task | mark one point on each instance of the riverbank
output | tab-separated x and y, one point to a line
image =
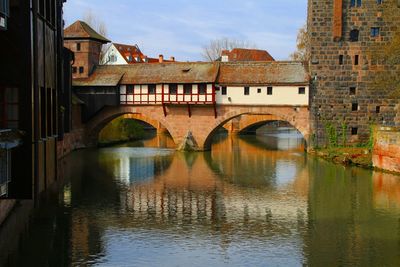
348	156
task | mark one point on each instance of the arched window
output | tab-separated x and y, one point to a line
354	34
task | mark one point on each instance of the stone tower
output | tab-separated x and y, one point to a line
86	44
343	35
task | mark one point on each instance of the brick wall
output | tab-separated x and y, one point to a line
331	98
386	153
87	57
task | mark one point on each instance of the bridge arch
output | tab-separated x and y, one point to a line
297	117
107	114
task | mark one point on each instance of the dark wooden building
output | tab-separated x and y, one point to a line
34	94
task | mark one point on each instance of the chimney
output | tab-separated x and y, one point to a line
172	59
161	58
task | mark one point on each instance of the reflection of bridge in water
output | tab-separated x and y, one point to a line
193	188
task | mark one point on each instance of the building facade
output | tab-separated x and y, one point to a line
31	91
122	54
344	35
86	44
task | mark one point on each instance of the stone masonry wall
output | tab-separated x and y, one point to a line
333	96
386	153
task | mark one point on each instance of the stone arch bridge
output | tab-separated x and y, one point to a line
195	131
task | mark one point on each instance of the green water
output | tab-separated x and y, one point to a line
251	201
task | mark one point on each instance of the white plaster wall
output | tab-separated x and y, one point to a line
281	95
113	50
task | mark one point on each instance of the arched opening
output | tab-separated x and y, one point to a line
262	125
130	129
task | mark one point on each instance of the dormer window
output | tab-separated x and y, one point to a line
354	34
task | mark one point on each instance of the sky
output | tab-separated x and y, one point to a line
181	28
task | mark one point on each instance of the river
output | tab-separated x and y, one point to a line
255	200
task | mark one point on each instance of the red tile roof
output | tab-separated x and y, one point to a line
242	54
134	52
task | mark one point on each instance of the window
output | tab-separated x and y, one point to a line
129	89
354	131
354	34
302	90
354	107
259	90
246	91
202	89
352	91
356	60
375	31
269	90
187	89
78	47
341	59
113	58
223	92
152	89
74	69
173	89
379	2
9	108
378	109
81	69
355	3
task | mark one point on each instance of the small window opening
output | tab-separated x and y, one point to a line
247	90
354	131
378	109
259	90
152	89
81	69
78	47
74	69
223	91
341	58
187	89
353	90
354	107
375	31
173	89
354	34
302	90
356	59
202	88
269	90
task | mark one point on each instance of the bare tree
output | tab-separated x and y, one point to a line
303	46
213	50
99	26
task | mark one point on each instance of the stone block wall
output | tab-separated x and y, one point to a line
341	94
386	152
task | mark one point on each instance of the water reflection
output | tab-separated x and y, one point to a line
251	201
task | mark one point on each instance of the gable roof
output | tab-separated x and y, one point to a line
243	54
174	72
134	51
229	74
80	30
263	73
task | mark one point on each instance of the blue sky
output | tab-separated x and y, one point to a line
181	28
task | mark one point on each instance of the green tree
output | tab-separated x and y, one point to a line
386	58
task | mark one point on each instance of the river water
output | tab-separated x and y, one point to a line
254	200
